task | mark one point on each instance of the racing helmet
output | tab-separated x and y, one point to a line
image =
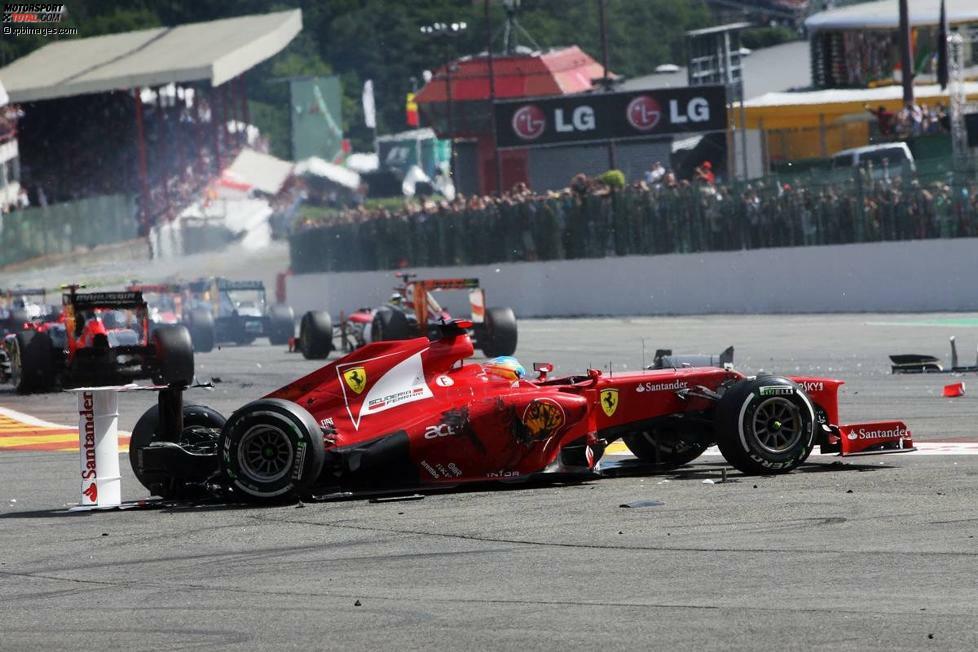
505	366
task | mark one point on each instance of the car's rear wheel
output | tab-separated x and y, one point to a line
202	330
174	355
316	335
270	449
498	333
32	362
281	324
390	325
765	425
198	435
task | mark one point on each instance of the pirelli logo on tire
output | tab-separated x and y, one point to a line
776	390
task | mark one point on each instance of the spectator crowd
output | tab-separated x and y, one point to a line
594	218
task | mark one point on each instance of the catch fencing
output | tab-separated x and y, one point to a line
637	220
63	228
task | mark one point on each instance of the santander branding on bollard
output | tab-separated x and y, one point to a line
98	445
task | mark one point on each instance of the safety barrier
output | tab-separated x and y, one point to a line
63	228
909	276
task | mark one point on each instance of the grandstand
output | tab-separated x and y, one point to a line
148	116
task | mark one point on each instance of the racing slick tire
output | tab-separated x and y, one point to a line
765	425
281	324
159	482
316	335
270	449
31	362
659	447
174	355
498	335
390	325
202	330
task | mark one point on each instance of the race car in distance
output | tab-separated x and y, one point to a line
163	300
102	338
18	308
412	311
219	310
410	414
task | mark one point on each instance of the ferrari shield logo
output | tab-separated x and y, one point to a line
609	401
356	378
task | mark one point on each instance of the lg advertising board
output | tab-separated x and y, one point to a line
610	116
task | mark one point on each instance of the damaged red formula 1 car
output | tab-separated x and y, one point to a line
412	415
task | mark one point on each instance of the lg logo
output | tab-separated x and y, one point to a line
529	122
644	113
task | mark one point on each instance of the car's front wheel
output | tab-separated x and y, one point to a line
271	449
662	448
765	425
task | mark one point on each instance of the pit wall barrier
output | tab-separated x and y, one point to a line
903	276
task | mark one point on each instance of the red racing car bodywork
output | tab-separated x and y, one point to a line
411	414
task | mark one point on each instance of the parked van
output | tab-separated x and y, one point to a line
886	159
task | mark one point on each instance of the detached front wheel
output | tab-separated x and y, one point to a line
270	449
765	425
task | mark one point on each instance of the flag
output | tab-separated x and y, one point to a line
411	111
369	110
942	72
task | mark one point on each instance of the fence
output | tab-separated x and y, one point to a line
684	218
61	228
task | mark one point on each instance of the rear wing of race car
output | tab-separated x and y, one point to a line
111	300
158	288
226	284
10	293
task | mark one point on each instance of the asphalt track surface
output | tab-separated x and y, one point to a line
863	553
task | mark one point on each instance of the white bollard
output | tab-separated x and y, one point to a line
98	444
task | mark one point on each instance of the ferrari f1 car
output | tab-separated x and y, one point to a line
403	415
412	311
221	310
164	302
102	338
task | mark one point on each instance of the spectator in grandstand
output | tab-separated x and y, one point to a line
884	119
704	174
654	175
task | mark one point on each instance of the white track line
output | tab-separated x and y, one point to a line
28	420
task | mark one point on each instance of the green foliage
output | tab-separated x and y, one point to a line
765	37
613	179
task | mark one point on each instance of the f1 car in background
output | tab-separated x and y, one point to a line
220	310
102	338
914	363
412	311
164	301
18	307
403	415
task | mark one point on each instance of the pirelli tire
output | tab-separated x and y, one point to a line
316	335
390	324
203	331
174	352
32	364
146	431
271	449
281	324
498	334
661	447
765	425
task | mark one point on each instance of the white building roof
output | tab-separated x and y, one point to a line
214	51
885	14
